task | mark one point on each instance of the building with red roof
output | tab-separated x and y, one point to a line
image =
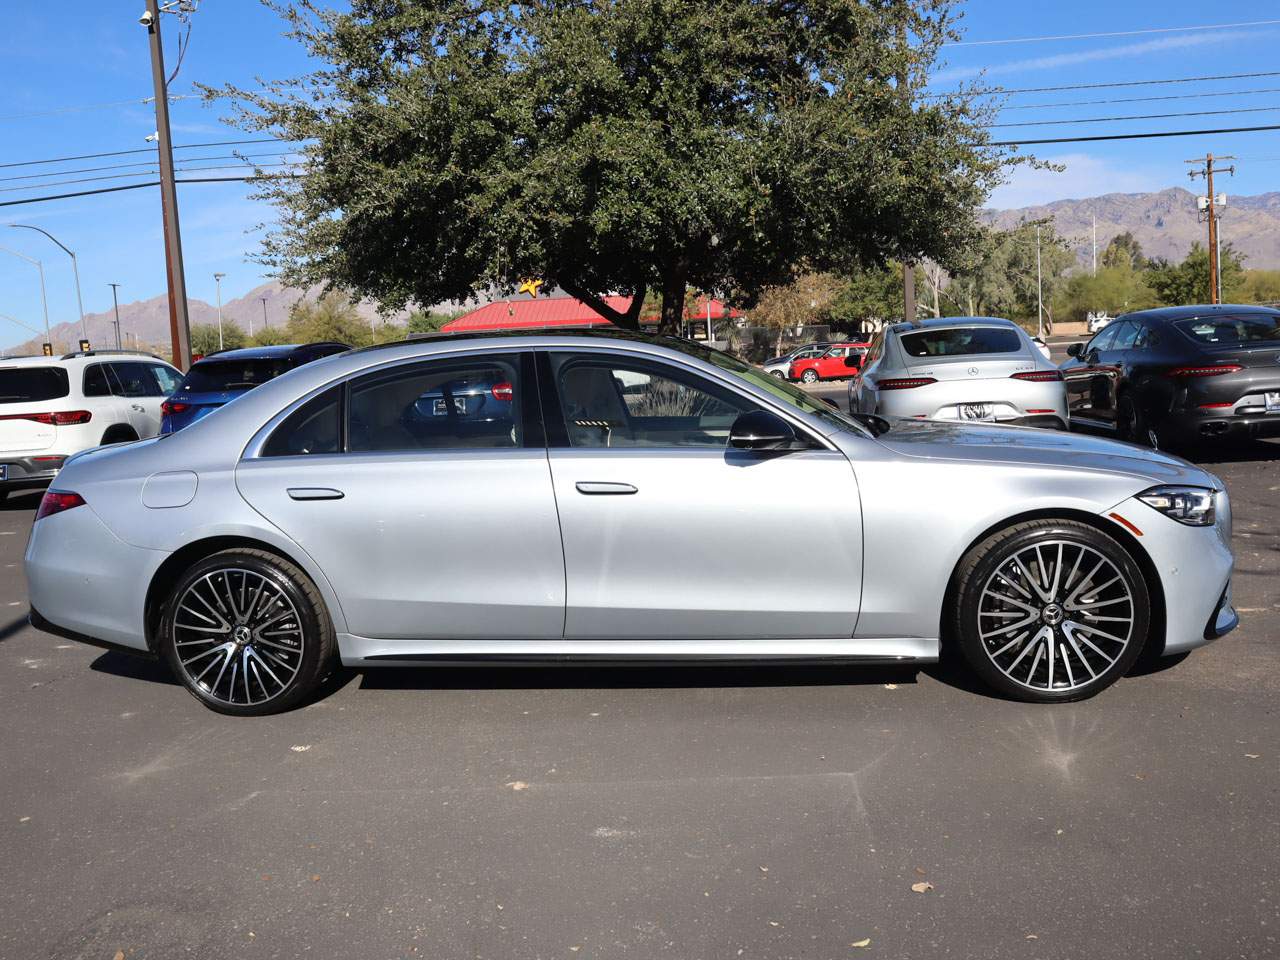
534	314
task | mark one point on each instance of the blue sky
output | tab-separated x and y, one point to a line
90	52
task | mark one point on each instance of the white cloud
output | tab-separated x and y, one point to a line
1085	176
1126	50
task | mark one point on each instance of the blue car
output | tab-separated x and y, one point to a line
220	377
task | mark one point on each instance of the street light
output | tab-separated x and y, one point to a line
217	279
264	314
116	302
44	300
75	268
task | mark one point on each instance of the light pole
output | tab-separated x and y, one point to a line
217	280
75	268
1039	289
264	313
116	303
44	299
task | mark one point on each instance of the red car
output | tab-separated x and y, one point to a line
841	361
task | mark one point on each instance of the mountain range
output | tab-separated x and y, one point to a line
1165	224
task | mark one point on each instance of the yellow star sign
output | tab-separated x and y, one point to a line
530	287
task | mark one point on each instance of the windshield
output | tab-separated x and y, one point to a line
222	376
791	395
31	384
1223	331
961	342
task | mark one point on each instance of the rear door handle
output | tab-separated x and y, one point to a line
315	493
598	488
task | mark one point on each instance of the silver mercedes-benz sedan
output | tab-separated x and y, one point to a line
612	497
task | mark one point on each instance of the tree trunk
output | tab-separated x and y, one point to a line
673	289
630	320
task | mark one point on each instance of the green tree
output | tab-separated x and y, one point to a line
617	146
1188	282
1124	250
204	337
1260	286
1002	278
1115	289
332	317
270	336
424	321
786	308
871	294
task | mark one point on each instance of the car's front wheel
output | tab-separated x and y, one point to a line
247	633
809	376
1051	610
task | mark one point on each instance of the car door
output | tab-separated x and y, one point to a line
141	393
862	398
1084	376
100	386
423	493
668	532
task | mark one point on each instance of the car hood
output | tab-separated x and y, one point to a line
940	440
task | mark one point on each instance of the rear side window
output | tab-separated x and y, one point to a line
166	377
1246	328
33	384
228	376
315	427
96	382
136	379
961	342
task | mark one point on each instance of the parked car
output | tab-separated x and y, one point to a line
1177	375
1042	347
839	362
960	368
1096	321
53	407
220	377
304	525
780	366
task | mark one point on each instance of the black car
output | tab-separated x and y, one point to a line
1178	375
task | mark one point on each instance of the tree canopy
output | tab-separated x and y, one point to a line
625	146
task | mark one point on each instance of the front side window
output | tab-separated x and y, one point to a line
615	402
1126	337
1104	339
961	342
437	405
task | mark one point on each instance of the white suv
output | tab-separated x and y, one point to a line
52	407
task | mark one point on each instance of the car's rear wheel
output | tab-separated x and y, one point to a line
247	633
1051	611
809	376
1132	424
779	374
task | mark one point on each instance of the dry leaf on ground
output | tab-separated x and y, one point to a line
923	887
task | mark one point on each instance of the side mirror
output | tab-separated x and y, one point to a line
762	430
1075	350
853	360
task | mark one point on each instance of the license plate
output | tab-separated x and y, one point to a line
976	411
459	404
1273	401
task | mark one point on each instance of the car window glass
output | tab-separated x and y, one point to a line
875	350
1125	337
315	427
610	402
1246	328
228	375
167	378
961	341
29	384
1103	340
135	380
95	381
437	405
1146	338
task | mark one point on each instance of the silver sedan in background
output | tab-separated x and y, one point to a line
960	368
617	498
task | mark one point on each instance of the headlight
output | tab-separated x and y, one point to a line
1190	505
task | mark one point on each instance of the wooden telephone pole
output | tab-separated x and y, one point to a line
1209	212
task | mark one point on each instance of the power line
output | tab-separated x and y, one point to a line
55	111
1114	33
999	91
1132	136
1147	116
123	153
141	173
146	163
1171	96
133	186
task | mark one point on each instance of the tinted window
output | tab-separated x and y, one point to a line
229	376
30	384
96	383
166	377
1247	328
1126	336
961	342
1103	340
315	427
1146	338
622	403
437	405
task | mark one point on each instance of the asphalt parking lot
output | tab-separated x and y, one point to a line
692	813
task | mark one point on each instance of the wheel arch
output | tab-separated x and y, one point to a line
171	570
119	433
1156	637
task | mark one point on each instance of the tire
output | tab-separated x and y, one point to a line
247	609
809	376
778	373
1132	425
1007	626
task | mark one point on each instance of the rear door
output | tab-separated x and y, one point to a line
141	392
1084	375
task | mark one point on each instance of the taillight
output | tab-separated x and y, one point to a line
170	407
62	418
56	501
1216	370
1216	406
904	383
1038	376
503	391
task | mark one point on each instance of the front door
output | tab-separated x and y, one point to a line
428	505
669	533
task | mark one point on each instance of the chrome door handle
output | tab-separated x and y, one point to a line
597	488
315	493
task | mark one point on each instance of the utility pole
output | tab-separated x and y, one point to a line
1039	289
115	302
264	314
1095	244
908	268
1209	212
217	280
179	324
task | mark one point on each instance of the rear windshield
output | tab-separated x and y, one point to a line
220	376
961	342
29	384
1249	328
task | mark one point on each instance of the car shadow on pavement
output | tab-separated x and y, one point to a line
26	500
133	668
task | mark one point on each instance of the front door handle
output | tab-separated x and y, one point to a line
598	488
315	493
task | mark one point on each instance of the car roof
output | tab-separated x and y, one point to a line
903	326
36	360
274	351
1169	314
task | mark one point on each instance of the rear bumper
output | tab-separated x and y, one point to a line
1047	421
29	473
1191	426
